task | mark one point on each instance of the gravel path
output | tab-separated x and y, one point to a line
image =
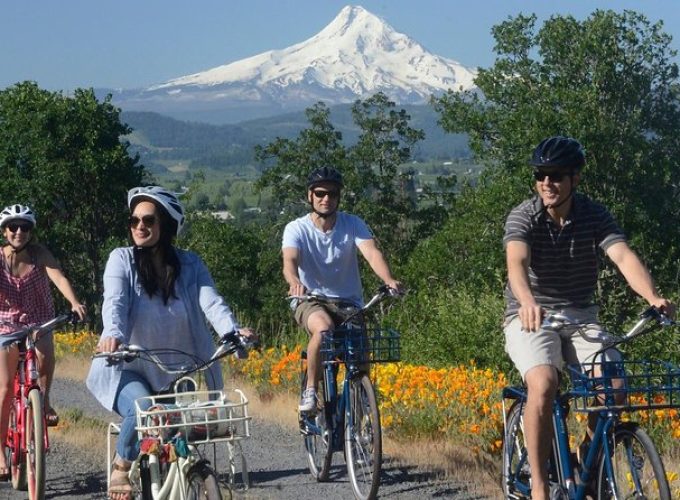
278	469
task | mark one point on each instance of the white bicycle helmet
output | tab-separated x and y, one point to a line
166	198
16	212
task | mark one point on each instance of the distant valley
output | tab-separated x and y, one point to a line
164	142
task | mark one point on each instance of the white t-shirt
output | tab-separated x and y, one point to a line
327	262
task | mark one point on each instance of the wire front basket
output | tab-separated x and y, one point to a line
199	416
625	385
358	345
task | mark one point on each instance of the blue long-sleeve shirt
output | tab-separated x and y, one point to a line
121	308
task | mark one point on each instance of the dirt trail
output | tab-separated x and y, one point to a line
278	469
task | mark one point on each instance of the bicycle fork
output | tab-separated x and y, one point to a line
565	470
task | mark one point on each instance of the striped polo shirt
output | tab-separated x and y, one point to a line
564	260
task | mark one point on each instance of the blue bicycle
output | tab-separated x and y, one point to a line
347	416
621	461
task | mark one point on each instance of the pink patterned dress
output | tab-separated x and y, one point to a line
24	300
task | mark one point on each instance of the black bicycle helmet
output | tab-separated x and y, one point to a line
324	174
559	151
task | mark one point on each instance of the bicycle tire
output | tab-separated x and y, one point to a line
318	447
202	483
144	480
13	453
363	439
35	445
515	462
638	468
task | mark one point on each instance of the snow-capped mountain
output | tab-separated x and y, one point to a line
356	55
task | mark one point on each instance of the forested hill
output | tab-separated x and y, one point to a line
227	147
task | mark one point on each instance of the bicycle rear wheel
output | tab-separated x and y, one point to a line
363	439
318	447
35	445
13	453
638	469
516	472
202	483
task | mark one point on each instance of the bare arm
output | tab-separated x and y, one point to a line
375	259
638	276
518	258
290	271
56	275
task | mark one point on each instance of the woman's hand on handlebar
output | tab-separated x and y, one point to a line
108	344
249	335
80	310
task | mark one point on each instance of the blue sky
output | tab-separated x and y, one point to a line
64	44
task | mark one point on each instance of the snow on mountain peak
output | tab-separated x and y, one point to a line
356	54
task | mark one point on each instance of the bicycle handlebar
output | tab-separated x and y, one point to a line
231	343
383	292
23	331
557	321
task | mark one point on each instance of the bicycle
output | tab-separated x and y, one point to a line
27	437
621	460
348	419
176	425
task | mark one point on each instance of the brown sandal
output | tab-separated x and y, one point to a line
122	484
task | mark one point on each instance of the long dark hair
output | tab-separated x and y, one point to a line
151	281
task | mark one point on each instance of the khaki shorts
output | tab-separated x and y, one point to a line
338	311
549	347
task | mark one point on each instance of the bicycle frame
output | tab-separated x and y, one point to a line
337	409
25	380
561	464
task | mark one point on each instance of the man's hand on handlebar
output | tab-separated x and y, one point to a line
664	306
396	286
296	290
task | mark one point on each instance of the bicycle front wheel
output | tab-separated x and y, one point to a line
638	471
35	446
318	447
363	440
202	483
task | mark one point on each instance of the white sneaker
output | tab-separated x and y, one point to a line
308	400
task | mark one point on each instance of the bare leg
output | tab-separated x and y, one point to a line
46	364
541	384
318	322
8	366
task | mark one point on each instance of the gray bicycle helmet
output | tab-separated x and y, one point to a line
16	213
559	151
324	174
167	199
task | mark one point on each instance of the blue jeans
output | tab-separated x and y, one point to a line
132	386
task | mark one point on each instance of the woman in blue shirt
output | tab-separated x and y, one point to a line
155	295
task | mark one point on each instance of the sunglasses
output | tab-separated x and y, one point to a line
15	227
321	194
148	220
540	176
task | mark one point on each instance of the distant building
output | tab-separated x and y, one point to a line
223	215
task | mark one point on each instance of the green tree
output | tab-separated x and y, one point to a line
611	82
288	161
63	156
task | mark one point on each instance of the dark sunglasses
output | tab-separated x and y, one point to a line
15	227
148	220
540	176
321	194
